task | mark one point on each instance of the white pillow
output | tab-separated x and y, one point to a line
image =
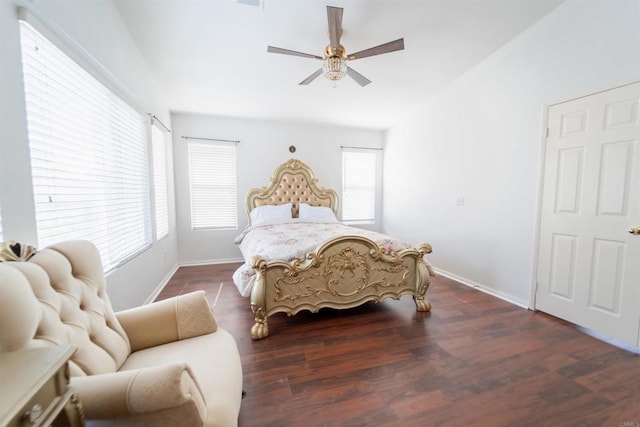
267	213
321	213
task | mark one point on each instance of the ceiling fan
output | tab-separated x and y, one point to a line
334	60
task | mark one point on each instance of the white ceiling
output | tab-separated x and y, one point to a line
211	56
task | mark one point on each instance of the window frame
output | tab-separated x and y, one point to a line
160	182
117	120
200	184
348	190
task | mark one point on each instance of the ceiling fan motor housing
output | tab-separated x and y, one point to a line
338	51
334	65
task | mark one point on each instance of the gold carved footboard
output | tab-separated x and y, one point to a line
344	272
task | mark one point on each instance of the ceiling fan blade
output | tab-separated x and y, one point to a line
272	49
359	78
377	50
334	15
311	78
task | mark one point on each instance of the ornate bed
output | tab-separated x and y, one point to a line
341	272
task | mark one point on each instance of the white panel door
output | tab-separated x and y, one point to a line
589	261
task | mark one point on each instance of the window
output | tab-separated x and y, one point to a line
89	156
161	200
359	186
212	180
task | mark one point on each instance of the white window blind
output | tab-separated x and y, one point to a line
212	175
359	186
89	156
161	200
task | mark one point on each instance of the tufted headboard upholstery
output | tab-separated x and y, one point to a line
58	296
294	182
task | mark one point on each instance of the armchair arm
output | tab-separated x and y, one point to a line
166	321
158	393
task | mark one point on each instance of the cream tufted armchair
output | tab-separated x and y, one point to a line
162	364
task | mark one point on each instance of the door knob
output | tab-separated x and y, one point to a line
635	230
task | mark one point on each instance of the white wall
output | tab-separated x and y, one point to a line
481	138
96	28
263	146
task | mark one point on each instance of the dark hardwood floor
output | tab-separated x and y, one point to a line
475	360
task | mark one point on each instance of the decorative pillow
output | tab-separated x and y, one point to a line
267	213
321	213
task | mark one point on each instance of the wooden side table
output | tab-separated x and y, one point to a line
34	385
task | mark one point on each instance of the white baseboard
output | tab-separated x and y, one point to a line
161	285
483	288
612	341
209	262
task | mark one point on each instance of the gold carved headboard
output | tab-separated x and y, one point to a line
292	181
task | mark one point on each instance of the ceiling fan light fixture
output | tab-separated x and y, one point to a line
334	68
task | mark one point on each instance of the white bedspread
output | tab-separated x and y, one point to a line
291	239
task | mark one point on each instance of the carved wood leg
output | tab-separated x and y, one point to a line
422	304
422	284
260	329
